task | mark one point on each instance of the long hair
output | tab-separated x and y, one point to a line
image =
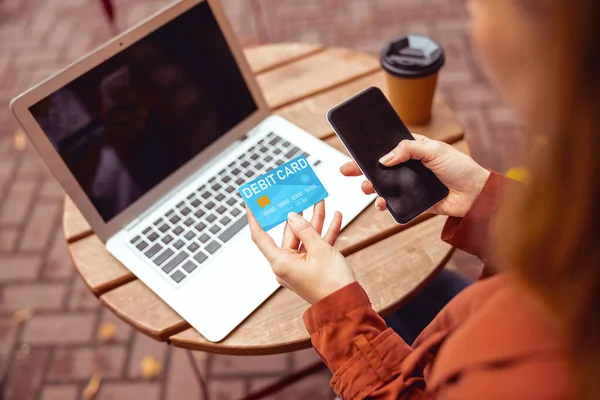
555	246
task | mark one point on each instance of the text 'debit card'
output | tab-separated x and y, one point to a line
293	186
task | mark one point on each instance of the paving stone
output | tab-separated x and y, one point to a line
26	375
19	267
17	203
71	328
39	296
8	239
80	363
125	390
41	226
227	389
225	364
60	392
58	263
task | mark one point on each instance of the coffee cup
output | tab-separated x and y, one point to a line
412	64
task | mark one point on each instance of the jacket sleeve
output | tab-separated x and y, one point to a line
471	233
367	359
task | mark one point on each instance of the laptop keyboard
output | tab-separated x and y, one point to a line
186	236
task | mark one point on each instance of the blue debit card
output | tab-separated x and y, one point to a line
292	186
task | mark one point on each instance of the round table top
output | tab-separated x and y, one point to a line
300	82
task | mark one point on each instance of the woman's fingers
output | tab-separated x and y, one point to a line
350	169
419	149
318	217
380	204
367	187
290	241
304	231
263	241
334	229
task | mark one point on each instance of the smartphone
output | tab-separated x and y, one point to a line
370	128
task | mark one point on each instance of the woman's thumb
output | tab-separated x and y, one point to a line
303	230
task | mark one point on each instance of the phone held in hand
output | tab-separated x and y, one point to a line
370	128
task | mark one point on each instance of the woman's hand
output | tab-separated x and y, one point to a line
306	263
459	172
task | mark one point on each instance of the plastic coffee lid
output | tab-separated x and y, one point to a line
412	56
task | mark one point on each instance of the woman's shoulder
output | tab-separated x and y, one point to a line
506	344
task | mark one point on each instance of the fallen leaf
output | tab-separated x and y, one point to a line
20	140
92	387
518	174
150	367
107	332
22	315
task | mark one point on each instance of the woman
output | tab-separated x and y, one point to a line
532	330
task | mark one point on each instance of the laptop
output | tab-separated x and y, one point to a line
151	135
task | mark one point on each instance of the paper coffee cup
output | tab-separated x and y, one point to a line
411	64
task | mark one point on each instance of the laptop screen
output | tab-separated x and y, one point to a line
126	125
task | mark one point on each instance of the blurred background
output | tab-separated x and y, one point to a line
39	290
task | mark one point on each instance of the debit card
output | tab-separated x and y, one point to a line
292	186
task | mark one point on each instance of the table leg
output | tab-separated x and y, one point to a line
198	374
285	382
267	391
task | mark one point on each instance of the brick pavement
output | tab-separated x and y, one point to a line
53	354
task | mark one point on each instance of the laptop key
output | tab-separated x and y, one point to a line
215	228
231	201
216	187
205	195
190	235
158	222
191	196
210	205
235	212
196	203
153	236
236	171
141	245
305	154
199	213
259	166
210	218
151	252
290	153
180	204
135	239
146	231
175	261
185	211
163	228
178	244
204	238
277	151
233	229
221	210
263	149
169	213
167	239
193	247
279	162
268	158
220	197
177	276
188	222
177	231
162	257
189	266
175	219
230	189
317	163
212	247
225	220
201	226
245	164
200	257
275	140
254	156
226	179
249	174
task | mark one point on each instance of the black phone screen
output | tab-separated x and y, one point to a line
370	128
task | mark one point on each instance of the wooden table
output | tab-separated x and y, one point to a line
301	82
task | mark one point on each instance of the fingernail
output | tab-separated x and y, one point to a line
387	158
377	206
293	217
